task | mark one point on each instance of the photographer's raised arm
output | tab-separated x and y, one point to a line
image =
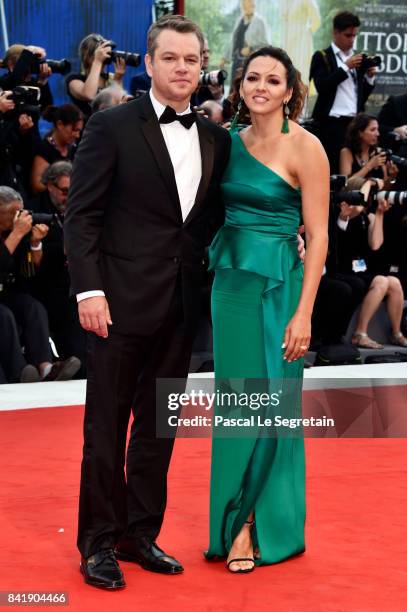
84	219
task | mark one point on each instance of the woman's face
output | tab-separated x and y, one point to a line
370	134
70	132
264	87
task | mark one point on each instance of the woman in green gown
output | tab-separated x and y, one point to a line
262	301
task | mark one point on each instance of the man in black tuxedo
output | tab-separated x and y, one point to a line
143	203
342	83
393	119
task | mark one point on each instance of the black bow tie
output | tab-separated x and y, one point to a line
169	115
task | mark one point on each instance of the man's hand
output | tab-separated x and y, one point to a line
401	130
371	72
22	224
44	74
94	315
354	61
5	103
38	233
25	123
349	212
39	51
245	51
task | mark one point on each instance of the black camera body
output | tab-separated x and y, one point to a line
370	61
396	159
215	77
131	59
26	99
337	195
41	218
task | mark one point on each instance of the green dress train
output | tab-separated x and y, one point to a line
257	285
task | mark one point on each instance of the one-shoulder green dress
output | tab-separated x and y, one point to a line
257	285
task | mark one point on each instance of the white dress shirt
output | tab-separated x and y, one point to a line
346	99
185	154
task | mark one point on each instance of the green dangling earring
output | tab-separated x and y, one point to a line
284	128
236	117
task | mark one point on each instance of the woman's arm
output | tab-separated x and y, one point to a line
345	162
88	89
312	170
39	166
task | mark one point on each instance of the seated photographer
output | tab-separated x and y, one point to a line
361	155
393	127
20	60
59	144
52	281
94	52
210	91
20	255
359	237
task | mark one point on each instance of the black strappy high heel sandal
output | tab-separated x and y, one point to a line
247	570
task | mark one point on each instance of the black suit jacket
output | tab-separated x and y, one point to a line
123	228
393	114
327	76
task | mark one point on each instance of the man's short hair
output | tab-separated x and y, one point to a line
344	20
12	55
54	172
178	23
9	195
105	98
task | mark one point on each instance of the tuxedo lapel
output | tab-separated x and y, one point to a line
207	145
153	135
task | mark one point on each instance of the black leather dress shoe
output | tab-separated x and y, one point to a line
102	570
148	555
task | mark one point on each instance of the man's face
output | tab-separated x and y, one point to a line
248	7
175	67
7	214
345	39
59	192
205	56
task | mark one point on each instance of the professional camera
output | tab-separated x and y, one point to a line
396	159
369	61
38	218
337	184
215	77
131	59
62	66
26	100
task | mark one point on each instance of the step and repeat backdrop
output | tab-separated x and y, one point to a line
234	27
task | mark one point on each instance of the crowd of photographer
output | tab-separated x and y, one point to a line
367	261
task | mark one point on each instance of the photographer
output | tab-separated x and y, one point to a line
17	142
94	52
393	126
19	60
359	237
361	156
344	81
20	255
52	279
59	143
209	91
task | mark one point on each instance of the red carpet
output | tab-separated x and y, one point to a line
356	527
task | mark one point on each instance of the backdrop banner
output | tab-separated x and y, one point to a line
235	28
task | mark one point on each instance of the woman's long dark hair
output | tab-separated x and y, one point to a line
294	81
353	140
